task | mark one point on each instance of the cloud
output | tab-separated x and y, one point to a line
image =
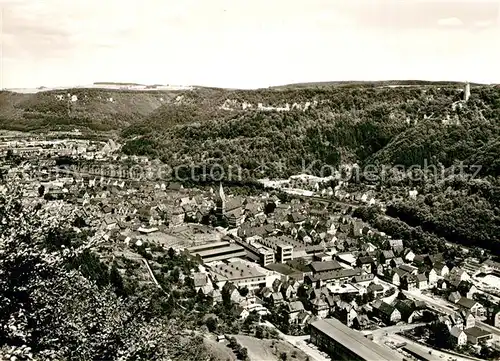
450	22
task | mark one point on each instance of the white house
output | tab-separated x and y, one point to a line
432	278
458	336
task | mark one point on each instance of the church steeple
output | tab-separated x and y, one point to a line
222	196
220	203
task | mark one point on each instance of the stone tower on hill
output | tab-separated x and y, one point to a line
466	91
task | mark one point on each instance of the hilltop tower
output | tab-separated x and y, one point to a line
220	203
466	91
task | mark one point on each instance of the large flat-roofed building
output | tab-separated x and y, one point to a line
217	251
240	274
344	343
257	252
284	252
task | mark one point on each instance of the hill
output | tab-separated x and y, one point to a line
87	109
328	125
279	132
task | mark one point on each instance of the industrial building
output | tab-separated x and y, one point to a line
240	274
217	251
257	252
344	343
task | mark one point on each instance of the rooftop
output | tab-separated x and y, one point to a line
237	270
355	341
476	332
325	266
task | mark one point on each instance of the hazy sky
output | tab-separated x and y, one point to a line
247	43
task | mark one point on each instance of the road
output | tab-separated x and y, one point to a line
435	353
446	307
380	333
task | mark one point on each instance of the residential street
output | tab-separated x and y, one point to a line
437	354
446	307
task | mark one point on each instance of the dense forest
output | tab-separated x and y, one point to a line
365	125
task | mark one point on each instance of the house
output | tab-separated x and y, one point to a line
239	312
320	308
346	315
387	313
472	306
415	316
397	275
215	296
386	257
376	289
408	255
421	282
469	319
396	262
293	310
378	269
496	319
458	275
431	260
232	292
290	289
409	269
200	280
409	282
446	320
365	263
441	269
303	318
361	322
442	284
276	298
364	278
458	336
467	289
405	308
396	245
477	335
454	297
457	320
324	267
432	278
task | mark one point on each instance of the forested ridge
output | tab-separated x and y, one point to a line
425	125
404	125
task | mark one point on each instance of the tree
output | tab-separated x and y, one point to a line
41	190
284	356
440	335
116	280
244	291
211	323
51	308
243	352
171	253
259	331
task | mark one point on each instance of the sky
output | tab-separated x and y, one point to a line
247	43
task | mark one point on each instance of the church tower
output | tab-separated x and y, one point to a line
220	203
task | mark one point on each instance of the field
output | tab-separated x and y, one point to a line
269	350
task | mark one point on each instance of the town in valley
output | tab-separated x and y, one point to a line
285	270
